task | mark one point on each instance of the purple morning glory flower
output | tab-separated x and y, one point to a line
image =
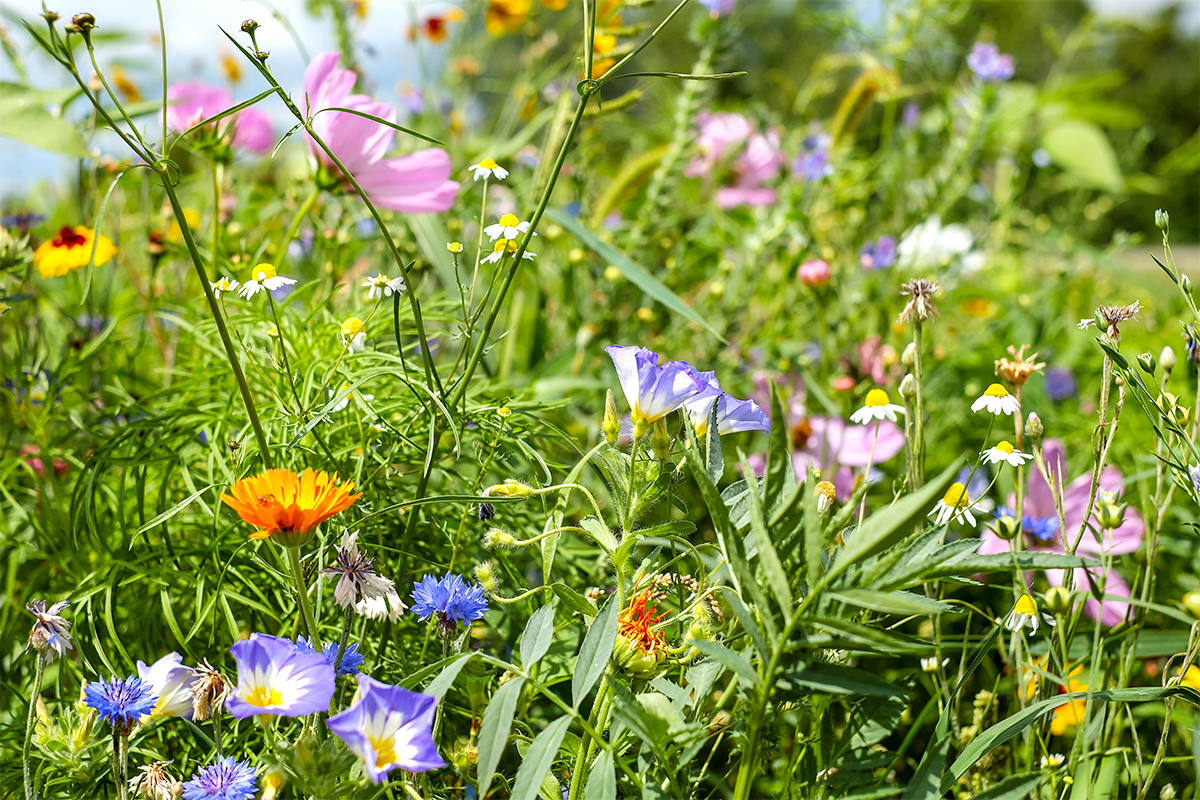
653	391
225	780
733	415
274	677
879	254
450	598
172	683
813	162
121	701
911	115
351	659
1060	384
389	727
990	64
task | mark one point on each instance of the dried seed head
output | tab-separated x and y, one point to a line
156	783
920	307
1018	369
209	693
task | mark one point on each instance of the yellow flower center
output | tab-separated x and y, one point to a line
1026	605
501	244
996	390
352	326
512	245
1004	447
827	490
385	751
223	284
876	398
264	271
488	163
263	696
956	496
509	220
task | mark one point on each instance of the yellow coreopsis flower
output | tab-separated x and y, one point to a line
506	16
70	250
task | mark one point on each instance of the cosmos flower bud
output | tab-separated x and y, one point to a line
908	358
612	423
485	573
1147	363
1167	359
1033	426
908	386
1058	601
1006	528
1162	220
1191	604
660	440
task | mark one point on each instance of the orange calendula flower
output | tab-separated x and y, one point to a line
636	623
288	506
70	250
506	16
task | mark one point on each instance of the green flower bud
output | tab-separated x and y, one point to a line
630	658
1186	283
1006	528
85	22
249	26
1167	359
1058	601
908	358
660	440
908	387
498	537
1147	363
1033	426
1162	220
485	574
1109	513
1191	603
612	423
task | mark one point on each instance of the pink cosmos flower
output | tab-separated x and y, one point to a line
719	135
759	162
1041	529
192	102
416	184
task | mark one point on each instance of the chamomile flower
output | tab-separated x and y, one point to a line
955	504
997	400
1005	452
509	227
354	335
1025	614
1052	761
488	168
877	408
382	284
505	246
263	277
931	664
223	285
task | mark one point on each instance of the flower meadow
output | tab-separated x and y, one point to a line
668	399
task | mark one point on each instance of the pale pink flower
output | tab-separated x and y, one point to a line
416	184
814	273
719	135
759	162
192	102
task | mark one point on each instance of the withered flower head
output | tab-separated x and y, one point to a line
1017	370
50	633
1111	317
920	307
209	692
155	782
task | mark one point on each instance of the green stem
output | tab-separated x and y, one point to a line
305	207
587	747
39	671
306	610
345	640
120	755
234	364
917	477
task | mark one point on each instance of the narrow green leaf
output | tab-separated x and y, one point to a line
728	658
539	759
382	121
714	459
594	653
535	641
924	783
635	274
772	567
574	599
445	679
830	679
602	782
493	731
170	512
893	602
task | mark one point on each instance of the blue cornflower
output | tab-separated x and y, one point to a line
1060	383
813	162
879	254
121	701
992	66
225	780
450	598
351	659
1041	529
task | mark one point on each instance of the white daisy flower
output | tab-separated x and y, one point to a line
488	168
1025	614
1052	761
505	246
997	400
1004	452
509	227
955	504
354	335
223	285
382	284
263	277
931	664
877	408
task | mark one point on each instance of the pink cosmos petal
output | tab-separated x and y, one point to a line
991	544
414	184
1124	539
833	440
192	102
252	131
733	196
761	160
1039	501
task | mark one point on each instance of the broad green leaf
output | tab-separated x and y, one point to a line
539	759
649	284
679	527
594	653
574	599
924	782
892	602
600	533
728	658
1013	787
493	731
445	679
23	117
602	781
714	459
535	641
1083	150
768	559
969	563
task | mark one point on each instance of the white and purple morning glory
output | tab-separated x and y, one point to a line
990	64
172	682
274	677
733	415
389	727
653	391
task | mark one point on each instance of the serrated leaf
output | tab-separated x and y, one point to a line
539	758
594	653
493	731
539	632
